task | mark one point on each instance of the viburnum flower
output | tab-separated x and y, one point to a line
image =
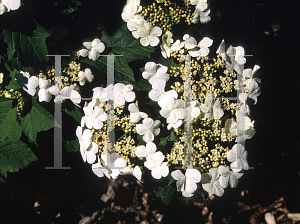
228	176
123	93
136	171
114	162
203	17
31	85
177	45
86	75
195	110
93	50
93	118
250	73
202	49
89	155
222	51
236	58
200	4
212	110
238	158
187	183
210	182
46	91
252	91
157	166
68	93
134	24
149	34
174	111
145	151
84	138
155	71
7	5
100	170
130	10
148	129
174	125
165	51
101	94
136	115
158	93
189	42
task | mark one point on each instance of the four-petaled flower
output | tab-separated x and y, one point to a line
212	109
238	158
149	34
174	111
145	151
136	115
210	182
68	93
93	50
154	72
228	176
123	92
46	91
157	166
148	129
86	75
187	183
84	138
93	118
30	86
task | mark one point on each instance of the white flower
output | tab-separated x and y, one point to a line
46	91
203	17
249	73
238	158
149	34
100	170
86	75
194	109
85	140
145	151
200	4
101	94
113	162
187	183
158	93
31	85
212	110
189	42
69	93
236	58
157	166
177	45
174	125
93	118
155	71
7	5
136	115
201	49
228	176
136	171
165	51
123	93
174	111
221	51
210	182
148	129
93	50
89	155
130	10
134	24
252	89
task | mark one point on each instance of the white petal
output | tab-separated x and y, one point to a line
156	173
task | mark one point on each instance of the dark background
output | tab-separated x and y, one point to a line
273	152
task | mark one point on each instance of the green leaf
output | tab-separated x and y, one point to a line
173	137
76	113
171	180
32	49
13	84
163	141
142	85
141	140
14	155
5	106
37	120
169	62
71	146
10	127
123	43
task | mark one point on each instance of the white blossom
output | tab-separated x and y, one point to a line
155	71
46	92
145	151
210	182
100	170
93	118
174	111
114	163
123	93
7	5
250	73
202	49
32	83
68	93
238	158
202	16
135	114
148	129
93	49
157	166
228	176
130	10
86	75
84	138
136	171
212	109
